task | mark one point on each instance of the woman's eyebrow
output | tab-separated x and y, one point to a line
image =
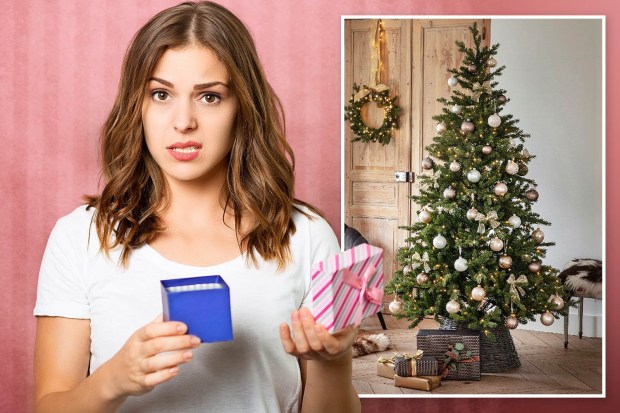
196	87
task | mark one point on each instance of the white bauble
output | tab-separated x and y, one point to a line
460	264
439	242
473	176
472	213
396	306
424	216
449	192
478	293
441	127
494	120
453	307
455	166
496	244
512	167
500	189
453	81
547	318
514	221
486	149
407	269
456	109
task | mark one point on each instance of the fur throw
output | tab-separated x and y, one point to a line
367	342
584	277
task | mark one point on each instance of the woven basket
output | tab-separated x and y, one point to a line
435	343
495	356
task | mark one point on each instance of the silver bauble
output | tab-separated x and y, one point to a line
428	163
478	293
500	189
496	244
531	194
473	176
512	167
453	81
453	307
547	318
449	192
505	261
491	62
439	242
460	264
424	216
501	99
467	126
455	166
472	213
406	269
512	322
494	120
538	235
514	221
486	149
557	303
396	306
534	266
456	109
421	278
441	127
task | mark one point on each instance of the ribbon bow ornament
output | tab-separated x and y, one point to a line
420	261
371	294
435	178
365	91
515	285
490	218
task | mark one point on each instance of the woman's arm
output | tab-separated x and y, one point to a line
325	361
62	353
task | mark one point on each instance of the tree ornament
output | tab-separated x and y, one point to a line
500	189
428	163
534	266
456	109
421	278
414	292
557	302
491	62
407	269
455	166
453	307
523	169
494	120
471	68
496	244
362	95
473	176
441	127
396	306
525	154
512	167
501	99
478	293
547	318
512	322
460	264
505	261
467	126
514	221
453	81
472	213
439	242
531	194
538	235
486	149
449	192
424	216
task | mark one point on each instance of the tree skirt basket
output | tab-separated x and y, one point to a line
495	356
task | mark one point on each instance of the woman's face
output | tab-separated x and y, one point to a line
188	114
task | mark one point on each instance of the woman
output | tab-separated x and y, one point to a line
197	183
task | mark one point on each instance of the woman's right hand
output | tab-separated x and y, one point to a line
151	356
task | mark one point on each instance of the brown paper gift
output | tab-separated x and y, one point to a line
385	368
426	383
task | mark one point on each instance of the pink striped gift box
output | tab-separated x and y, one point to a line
347	287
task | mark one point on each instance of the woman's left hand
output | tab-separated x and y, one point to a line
312	341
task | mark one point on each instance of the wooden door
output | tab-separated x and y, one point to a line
416	57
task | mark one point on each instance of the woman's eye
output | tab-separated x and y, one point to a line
210	98
159	95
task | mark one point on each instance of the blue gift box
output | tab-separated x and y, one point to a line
203	303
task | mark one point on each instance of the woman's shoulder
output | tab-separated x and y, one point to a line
80	218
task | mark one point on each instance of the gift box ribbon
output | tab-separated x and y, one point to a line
411	358
366	293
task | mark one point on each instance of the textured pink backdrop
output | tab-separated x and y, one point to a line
58	74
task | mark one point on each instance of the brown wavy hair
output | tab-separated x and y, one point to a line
260	175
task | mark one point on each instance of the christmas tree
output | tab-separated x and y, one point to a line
475	255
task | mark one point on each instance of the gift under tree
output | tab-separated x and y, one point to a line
475	256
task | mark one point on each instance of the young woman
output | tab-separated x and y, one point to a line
199	181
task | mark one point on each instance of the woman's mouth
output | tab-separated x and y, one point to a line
184	151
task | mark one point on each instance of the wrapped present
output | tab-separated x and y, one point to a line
347	287
385	368
426	383
458	352
417	365
203	303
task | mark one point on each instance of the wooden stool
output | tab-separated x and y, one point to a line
584	278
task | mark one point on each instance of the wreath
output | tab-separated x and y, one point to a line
353	113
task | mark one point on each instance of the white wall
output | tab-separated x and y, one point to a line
553	77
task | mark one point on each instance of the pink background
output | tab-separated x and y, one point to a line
58	75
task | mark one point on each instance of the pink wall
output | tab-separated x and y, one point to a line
58	74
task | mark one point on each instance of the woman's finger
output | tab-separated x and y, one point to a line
153	379
308	323
330	343
168	328
165	361
170	343
286	339
298	334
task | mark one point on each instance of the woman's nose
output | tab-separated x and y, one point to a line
185	117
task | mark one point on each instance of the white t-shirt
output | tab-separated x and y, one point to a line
250	373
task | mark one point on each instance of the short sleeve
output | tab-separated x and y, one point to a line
323	244
61	290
